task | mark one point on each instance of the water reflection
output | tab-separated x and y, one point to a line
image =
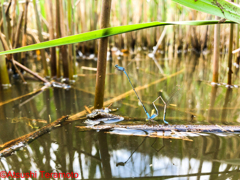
97	155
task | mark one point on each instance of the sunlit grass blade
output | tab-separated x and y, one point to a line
104	33
219	8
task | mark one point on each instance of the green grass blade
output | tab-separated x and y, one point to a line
104	33
219	8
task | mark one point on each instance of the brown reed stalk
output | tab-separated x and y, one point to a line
5	18
18	71
74	46
58	33
14	18
70	32
4	79
24	39
39	28
230	46
64	52
51	37
6	11
216	52
237	61
16	42
17	33
102	56
9	57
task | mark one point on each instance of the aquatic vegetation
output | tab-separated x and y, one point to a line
106	32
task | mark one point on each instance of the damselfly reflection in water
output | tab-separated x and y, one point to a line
153	115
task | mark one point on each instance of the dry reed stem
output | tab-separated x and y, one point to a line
19	72
51	37
19	25
30	72
102	56
87	109
230	47
39	28
9	57
25	17
216	54
6	11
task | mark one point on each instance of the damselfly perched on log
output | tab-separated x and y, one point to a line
160	97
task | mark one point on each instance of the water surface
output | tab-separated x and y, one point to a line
99	155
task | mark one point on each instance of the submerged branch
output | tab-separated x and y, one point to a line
15	144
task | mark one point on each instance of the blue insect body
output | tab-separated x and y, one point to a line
148	116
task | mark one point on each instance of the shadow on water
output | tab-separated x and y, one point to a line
100	155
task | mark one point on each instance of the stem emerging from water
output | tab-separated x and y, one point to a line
216	52
102	56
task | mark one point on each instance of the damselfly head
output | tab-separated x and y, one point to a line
119	68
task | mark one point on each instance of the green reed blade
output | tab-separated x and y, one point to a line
104	33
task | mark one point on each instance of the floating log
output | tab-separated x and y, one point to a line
9	147
177	128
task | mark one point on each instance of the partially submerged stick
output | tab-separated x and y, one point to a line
30	72
177	128
16	144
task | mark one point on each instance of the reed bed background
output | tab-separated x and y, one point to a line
28	22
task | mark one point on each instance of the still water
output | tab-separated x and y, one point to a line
101	155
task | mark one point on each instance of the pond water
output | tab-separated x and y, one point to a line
101	155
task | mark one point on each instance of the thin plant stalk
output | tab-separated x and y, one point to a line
216	52
237	45
40	37
6	11
4	79
5	24
24	40
64	52
51	37
102	56
14	19
17	33
70	46
58	62
19	72
74	47
58	34
16	42
160	40
229	81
